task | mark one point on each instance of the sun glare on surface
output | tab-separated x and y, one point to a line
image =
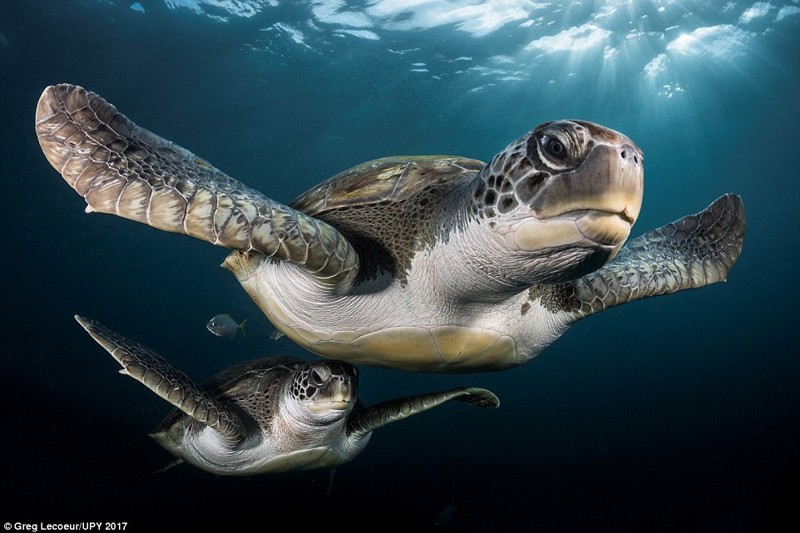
659	50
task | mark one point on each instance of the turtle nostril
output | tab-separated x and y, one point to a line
627	150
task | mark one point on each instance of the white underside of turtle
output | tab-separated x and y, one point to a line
264	452
401	325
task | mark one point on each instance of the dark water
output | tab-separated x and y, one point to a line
672	414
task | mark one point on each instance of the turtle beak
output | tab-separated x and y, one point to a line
342	405
627	216
341	394
610	180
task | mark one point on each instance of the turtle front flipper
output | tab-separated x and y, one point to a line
692	252
122	169
365	421
151	370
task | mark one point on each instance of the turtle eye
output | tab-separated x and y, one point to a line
316	378
554	147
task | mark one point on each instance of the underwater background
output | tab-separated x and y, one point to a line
677	413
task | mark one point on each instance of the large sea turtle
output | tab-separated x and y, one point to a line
272	414
433	263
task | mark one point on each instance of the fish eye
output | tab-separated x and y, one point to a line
554	147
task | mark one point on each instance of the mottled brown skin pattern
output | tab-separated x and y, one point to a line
247	388
518	174
391	208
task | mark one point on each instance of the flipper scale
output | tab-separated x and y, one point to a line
692	252
371	418
122	169
152	371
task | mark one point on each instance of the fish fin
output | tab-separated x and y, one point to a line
241	328
276	334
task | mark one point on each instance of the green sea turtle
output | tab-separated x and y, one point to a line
432	263
272	414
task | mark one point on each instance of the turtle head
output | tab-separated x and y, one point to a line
561	199
325	390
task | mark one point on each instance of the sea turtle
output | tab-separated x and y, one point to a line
422	263
272	414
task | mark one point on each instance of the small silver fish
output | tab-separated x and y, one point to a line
225	326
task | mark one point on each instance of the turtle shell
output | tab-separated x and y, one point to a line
389	179
245	387
391	208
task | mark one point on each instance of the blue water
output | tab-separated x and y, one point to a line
677	413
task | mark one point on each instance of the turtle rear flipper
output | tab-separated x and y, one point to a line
692	252
151	370
122	169
371	418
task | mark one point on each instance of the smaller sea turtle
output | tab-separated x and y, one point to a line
272	414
